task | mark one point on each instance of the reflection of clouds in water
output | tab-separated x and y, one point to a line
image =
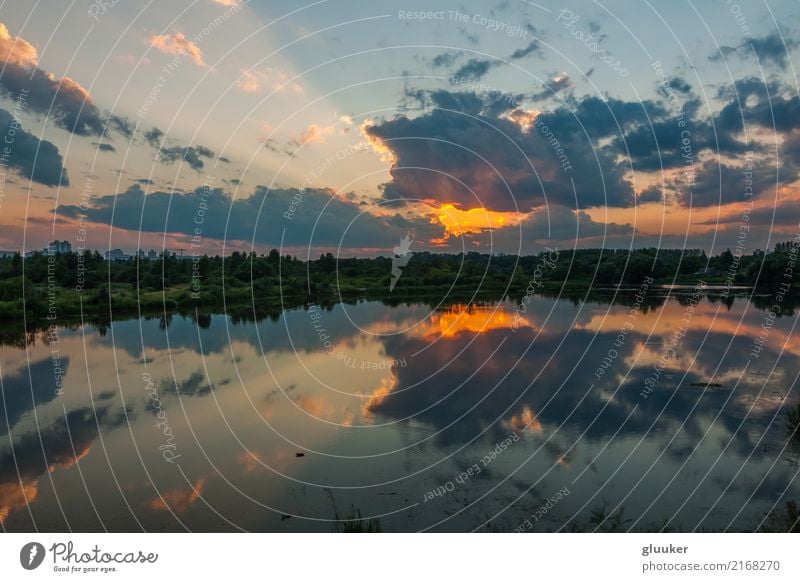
178	500
452	384
28	388
59	446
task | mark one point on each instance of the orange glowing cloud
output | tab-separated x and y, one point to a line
16	50
272	79
178	500
459	222
523	118
16	495
376	143
525	420
313	134
175	43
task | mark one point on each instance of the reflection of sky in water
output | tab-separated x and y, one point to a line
388	403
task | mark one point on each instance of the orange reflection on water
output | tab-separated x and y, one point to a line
472	319
178	500
387	384
16	495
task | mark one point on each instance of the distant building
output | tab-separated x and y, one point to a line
116	255
59	247
6	254
152	255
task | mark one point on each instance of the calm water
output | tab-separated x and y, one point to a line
185	425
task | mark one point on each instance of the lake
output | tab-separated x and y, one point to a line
543	414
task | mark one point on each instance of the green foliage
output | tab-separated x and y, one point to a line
257	280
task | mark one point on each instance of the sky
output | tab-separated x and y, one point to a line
345	126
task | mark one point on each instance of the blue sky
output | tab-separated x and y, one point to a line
344	126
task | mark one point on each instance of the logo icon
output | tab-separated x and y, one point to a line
402	254
31	555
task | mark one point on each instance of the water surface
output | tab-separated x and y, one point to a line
444	418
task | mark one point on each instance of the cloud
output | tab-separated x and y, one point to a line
559	82
313	134
484	158
772	49
104	147
719	183
533	47
63	100
175	43
271	79
35	159
446	59
320	218
190	155
475	69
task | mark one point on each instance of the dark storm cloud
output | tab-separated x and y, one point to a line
260	215
475	69
720	183
533	47
447	59
58	444
771	49
487	160
474	154
61	99
104	147
557	84
190	155
754	102
492	103
32	158
652	194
